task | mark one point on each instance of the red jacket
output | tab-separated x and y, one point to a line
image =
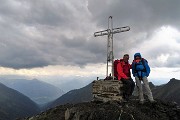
122	70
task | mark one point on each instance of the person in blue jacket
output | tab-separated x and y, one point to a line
141	70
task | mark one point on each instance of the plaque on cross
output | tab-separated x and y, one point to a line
110	53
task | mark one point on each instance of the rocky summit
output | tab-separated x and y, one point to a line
112	110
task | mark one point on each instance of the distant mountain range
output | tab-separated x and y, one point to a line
38	91
166	92
14	104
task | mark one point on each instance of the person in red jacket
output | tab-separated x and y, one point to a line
122	72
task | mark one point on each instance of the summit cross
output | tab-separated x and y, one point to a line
110	52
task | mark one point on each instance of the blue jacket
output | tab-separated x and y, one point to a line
138	69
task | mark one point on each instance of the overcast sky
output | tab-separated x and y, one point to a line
47	38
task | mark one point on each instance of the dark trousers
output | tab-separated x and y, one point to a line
128	86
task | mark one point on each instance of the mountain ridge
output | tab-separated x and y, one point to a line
76	104
15	104
169	91
74	95
84	94
39	91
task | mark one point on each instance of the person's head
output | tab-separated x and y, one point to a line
137	56
126	57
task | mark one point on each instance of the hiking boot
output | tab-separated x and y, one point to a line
152	101
141	102
126	97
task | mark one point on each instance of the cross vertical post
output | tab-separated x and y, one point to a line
110	52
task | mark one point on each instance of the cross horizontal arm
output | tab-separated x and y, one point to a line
101	33
121	29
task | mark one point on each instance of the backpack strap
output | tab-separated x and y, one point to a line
143	63
144	70
135	66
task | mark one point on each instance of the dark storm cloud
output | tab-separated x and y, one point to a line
37	33
141	15
144	17
40	33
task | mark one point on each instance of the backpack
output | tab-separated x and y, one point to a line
116	62
115	67
143	63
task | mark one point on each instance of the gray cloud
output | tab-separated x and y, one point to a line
144	17
41	33
141	15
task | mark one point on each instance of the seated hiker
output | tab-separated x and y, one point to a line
141	70
122	72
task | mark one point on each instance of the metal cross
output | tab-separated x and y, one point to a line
110	53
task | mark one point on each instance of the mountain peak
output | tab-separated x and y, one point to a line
35	79
151	85
174	81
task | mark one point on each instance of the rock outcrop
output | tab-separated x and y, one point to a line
112	110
